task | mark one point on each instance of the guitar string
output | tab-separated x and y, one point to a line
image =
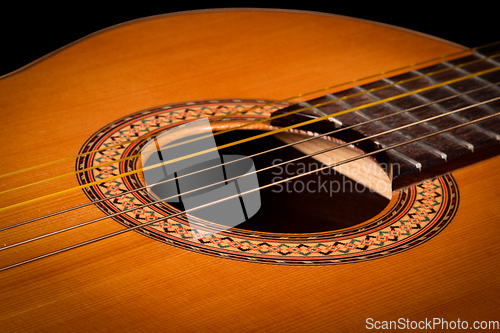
238	177
471	50
255	137
250	156
241	126
141	226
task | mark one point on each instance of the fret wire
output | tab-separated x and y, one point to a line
337	122
413	117
420	143
461	118
466	72
117	233
464	143
486	58
416	164
466	97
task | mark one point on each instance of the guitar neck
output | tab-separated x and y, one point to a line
424	102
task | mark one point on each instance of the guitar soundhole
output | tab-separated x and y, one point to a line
322	201
290	214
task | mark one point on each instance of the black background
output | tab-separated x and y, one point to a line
32	31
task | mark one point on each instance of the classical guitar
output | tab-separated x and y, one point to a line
371	151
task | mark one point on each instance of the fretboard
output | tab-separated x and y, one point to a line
392	104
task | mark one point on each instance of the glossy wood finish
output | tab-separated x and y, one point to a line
131	283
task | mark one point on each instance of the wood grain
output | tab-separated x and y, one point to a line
131	283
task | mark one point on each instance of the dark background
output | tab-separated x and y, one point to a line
32	31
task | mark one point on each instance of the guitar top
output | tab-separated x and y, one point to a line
73	125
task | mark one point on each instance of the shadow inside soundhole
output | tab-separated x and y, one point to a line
322	201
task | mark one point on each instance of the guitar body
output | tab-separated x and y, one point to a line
133	283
